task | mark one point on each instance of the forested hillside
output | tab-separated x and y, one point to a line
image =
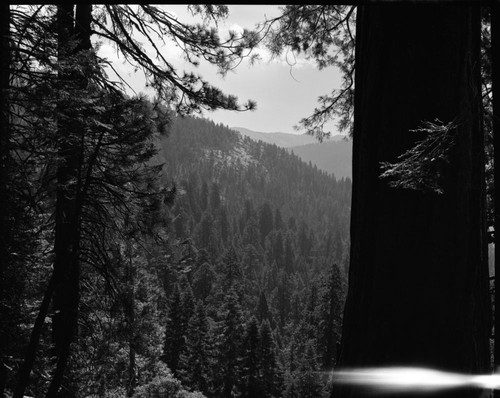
267	238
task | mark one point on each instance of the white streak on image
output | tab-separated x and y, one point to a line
401	379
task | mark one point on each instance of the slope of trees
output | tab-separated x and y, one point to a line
267	238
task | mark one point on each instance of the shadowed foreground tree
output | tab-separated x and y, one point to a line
418	282
69	60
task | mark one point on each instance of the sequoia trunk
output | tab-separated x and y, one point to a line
418	279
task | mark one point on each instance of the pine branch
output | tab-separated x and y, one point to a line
421	167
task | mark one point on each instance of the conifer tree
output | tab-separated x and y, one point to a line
231	270
265	220
308	382
289	256
270	374
250	377
278	250
204	196
203	279
215	200
283	297
174	332
337	247
310	315
187	302
228	361
263	308
195	361
205	231
251	234
224	226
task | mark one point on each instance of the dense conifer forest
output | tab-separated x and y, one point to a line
266	245
233	283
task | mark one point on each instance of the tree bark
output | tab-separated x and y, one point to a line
495	75
418	278
5	232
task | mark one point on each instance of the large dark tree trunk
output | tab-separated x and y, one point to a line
5	218
495	75
418	279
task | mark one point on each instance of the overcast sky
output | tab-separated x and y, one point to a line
284	94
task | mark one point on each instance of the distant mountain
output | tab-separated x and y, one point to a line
334	157
283	140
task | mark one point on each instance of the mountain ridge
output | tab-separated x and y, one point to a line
333	155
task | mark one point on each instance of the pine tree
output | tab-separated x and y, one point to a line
203	278
283	298
310	316
278	251
263	309
195	361
215	200
205	231
289	256
338	247
308	381
269	371
251	234
229	348
231	275
251	381
187	302
265	220
204	196
224	225
174	332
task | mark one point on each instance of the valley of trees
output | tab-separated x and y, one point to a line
146	252
264	251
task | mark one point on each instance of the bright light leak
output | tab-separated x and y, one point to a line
404	379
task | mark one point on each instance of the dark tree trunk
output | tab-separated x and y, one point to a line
73	24
495	75
66	193
418	279
5	232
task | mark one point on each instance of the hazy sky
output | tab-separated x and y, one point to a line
284	93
